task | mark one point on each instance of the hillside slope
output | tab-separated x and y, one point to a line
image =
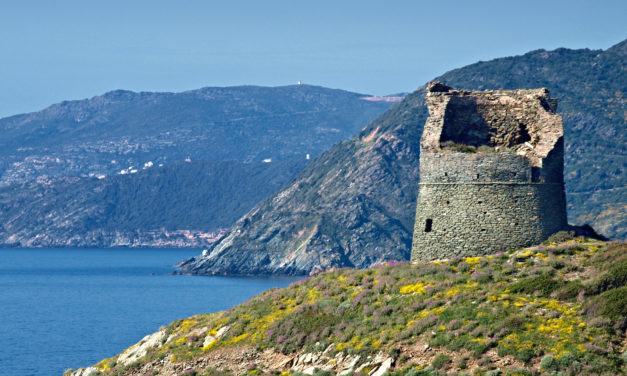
49	161
182	204
354	205
560	307
106	134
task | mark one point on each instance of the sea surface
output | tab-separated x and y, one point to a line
71	308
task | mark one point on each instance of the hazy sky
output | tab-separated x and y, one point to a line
56	50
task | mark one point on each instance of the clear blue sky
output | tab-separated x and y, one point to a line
56	50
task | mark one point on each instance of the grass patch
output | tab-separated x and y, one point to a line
460	148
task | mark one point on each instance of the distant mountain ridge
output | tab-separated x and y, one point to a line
354	205
120	129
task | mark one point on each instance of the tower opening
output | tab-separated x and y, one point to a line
428	225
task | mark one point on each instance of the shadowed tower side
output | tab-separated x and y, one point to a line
491	172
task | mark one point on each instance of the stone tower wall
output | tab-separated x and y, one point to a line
481	204
509	193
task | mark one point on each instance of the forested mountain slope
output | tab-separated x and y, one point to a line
181	204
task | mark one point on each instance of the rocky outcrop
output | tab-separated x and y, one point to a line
139	350
341	364
238	359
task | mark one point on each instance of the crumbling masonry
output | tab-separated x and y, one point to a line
491	172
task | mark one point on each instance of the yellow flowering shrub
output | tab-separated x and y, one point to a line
416	288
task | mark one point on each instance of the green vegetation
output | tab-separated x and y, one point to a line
243	123
519	323
469	149
542	285
460	148
369	187
440	361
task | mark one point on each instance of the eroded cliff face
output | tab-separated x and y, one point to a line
352	206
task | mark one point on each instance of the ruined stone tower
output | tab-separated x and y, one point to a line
491	172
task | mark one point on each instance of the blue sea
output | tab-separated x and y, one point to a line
71	308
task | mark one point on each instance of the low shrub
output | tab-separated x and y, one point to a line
513	322
560	237
440	361
319	372
486	149
478	348
548	363
460	148
569	291
557	264
521	372
565	361
525	355
438	341
464	149
613	303
484	361
462	362
456	344
615	277
544	284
